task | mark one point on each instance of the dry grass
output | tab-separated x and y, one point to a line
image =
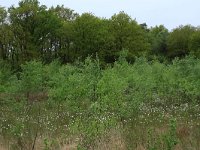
111	141
116	139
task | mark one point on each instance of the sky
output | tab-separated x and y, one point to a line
170	13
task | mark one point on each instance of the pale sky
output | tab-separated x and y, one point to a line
170	13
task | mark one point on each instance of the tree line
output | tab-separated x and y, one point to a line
32	31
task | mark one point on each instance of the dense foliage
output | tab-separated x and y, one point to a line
32	31
96	83
85	101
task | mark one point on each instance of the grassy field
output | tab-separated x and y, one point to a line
147	105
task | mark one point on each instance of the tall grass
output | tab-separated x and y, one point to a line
148	104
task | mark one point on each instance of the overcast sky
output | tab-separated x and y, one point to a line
170	13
